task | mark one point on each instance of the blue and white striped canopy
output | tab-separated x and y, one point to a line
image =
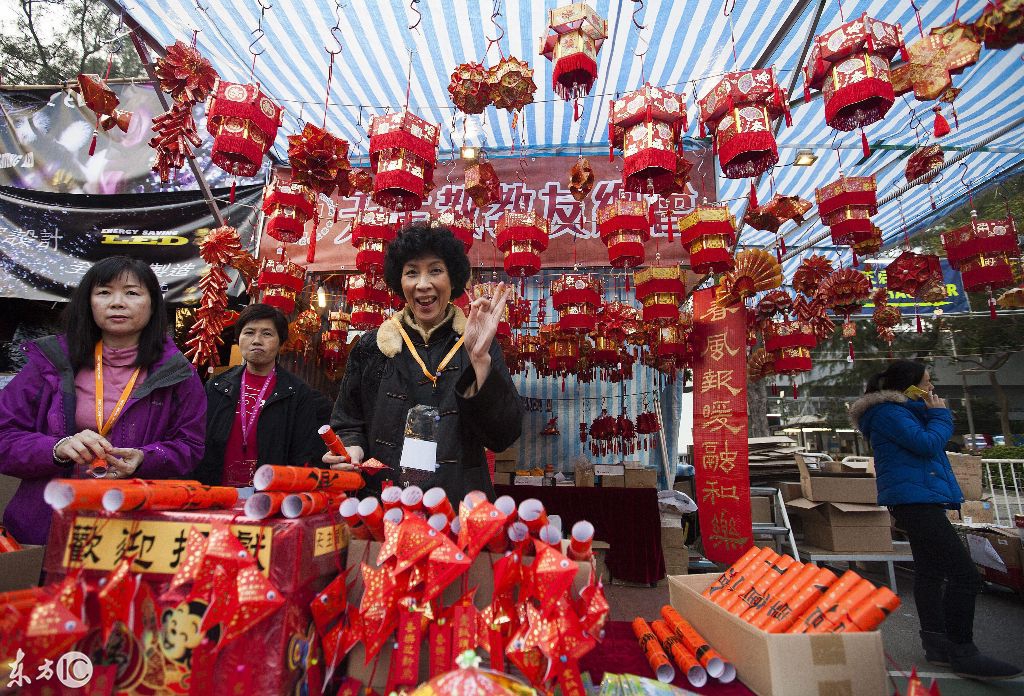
685	46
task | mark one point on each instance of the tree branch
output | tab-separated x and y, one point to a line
49	72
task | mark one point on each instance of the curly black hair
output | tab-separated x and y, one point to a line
419	240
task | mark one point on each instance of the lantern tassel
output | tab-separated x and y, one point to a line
782	243
796	391
852	357
991	305
92	144
753	195
856	261
231	196
627	282
311	251
864	145
941	125
920	326
576	109
778	253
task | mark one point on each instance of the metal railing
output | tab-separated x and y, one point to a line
1005	479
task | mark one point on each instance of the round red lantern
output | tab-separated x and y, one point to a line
512	84
918	275
521	236
288	207
708	232
460	224
647	125
243	122
660	289
403	153
625	226
469	88
577	33
370	300
279	282
577	298
372	231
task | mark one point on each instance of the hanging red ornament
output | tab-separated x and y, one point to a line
846	206
754	270
372	231
660	289
185	74
885	316
288	207
760	364
334	343
646	125
709	232
280	282
243	122
521	236
459	223
625	226
218	248
469	88
934	60
809	274
981	251
512	85
370	300
790	343
780	209
922	161
1002	24
176	135
845	291
575	38
102	101
403	154
576	297
581	179
481	183
360	181
319	160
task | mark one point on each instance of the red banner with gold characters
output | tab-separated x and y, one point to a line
720	427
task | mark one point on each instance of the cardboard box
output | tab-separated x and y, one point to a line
967	469
609	469
999	555
528	481
844	526
761	509
608	481
677	557
8	487
791	490
973	512
19	570
641	478
502	478
847	664
673	537
509	455
585	478
633	464
505	466
823	487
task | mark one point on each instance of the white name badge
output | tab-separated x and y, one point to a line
419	450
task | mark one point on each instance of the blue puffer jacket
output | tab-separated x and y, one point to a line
908	440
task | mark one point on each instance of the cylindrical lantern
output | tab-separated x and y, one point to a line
625	226
981	250
739	112
243	122
660	289
846	206
460	224
288	207
790	343
577	33
564	349
708	232
279	283
577	298
372	231
403	153
521	236
335	338
670	342
646	125
481	183
370	300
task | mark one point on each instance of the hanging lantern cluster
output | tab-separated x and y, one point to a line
845	291
612	435
481	183
370	300
850	65
459	223
846	206
287	208
738	112
660	290
372	231
647	126
1002	24
403	154
616	322
754	271
625	226
563	349
576	297
576	35
280	281
647	423
917	275
669	343
243	122
189	78
708	232
981	251
334	343
886	317
522	237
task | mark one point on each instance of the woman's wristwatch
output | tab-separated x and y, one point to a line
59	460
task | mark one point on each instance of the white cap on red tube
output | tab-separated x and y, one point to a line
697	676
506	505
518	532
728	673
530	510
412	498
113	500
291	506
438	521
716	667
263	476
394	515
582	532
368	506
349	509
436	500
257	507
391	497
58	495
550	534
455	525
472	498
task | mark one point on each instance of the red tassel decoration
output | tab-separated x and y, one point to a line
807	88
576	109
920	326
864	146
775	389
753	195
782	242
778	253
991	306
796	391
311	250
668	217
941	126
856	261
231	196
851	358
701	131
627	282
92	144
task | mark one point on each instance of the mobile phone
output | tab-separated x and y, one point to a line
915	392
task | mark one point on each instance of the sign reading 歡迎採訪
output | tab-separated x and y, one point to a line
722	484
955	301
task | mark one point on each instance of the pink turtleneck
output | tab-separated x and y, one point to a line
118	365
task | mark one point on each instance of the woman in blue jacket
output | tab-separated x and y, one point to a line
908	426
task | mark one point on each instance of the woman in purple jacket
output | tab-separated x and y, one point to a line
142	414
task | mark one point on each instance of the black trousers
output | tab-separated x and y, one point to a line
940	558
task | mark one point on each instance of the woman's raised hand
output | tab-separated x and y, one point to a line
485	313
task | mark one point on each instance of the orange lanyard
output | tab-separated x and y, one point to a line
101	427
416	356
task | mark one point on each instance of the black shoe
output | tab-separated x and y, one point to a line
936	648
969	663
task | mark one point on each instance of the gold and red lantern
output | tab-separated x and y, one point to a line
850	65
790	343
280	282
865	243
670	342
482	185
576	35
288	207
372	231
708	233
812	270
335	339
739	112
760	364
753	271
403	153
581	179
625	226
521	236
469	88
776	212
243	122
918	275
512	84
981	251
846	206
1002	24
370	300
660	289
319	160
647	125
576	297
460	224
515	315
886	317
924	160
564	350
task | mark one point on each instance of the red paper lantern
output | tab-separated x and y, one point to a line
288	207
739	112
521	236
790	342
845	291
517	311
243	122
850	65
981	251
335	338
370	300
625	226
646	125
512	84
918	275
924	160
812	270
581	179
482	185
403	153
372	231
708	232
846	206
319	160
576	297
577	33
469	88
671	340
279	282
660	289
460	224
1001	24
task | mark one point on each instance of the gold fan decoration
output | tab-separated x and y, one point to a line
755	270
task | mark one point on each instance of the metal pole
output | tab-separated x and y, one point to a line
967	395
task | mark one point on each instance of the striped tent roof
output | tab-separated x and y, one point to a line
683	44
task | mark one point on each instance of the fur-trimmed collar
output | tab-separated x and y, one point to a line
389	340
859	407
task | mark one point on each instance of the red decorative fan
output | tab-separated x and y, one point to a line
809	274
